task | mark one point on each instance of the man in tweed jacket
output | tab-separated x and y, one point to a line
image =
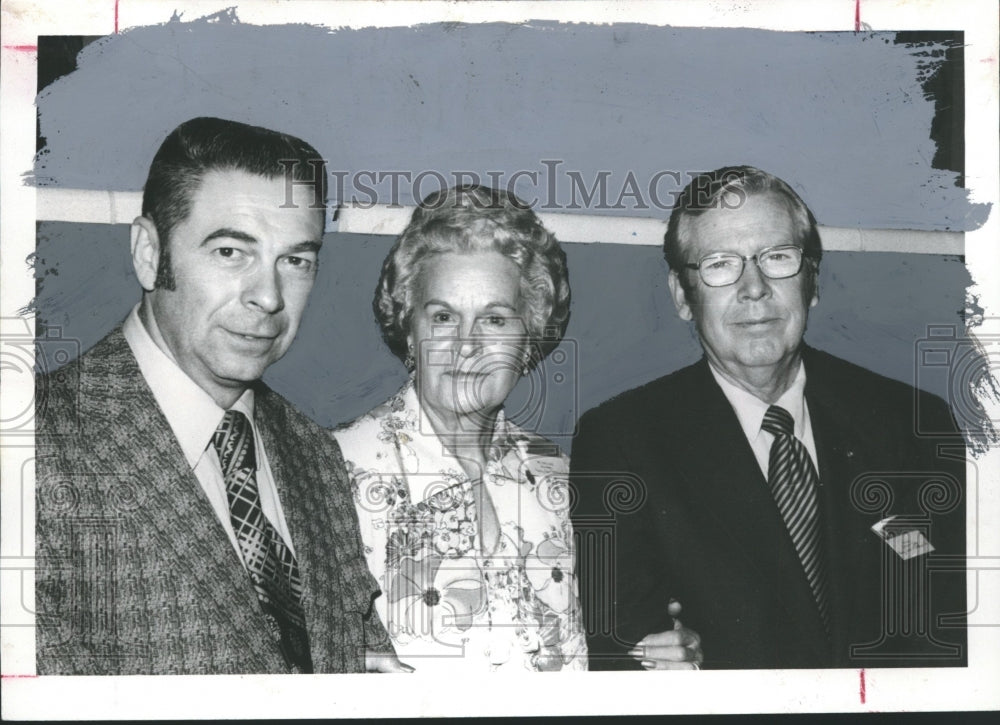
139	570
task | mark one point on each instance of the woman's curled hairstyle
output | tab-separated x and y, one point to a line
475	218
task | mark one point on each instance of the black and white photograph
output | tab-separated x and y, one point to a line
652	346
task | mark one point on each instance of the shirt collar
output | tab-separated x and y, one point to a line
750	409
191	413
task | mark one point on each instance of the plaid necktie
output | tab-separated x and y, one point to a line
273	571
793	481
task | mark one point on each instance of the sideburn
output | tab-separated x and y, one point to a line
165	269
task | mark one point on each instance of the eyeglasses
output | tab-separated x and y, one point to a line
725	268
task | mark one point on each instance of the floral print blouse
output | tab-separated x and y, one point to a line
446	605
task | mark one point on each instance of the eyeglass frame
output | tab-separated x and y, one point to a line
743	263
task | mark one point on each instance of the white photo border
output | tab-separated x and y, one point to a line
26	696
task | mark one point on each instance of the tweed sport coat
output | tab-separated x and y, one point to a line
136	574
671	503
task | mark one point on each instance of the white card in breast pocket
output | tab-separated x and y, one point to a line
907	543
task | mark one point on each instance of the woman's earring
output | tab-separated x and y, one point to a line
409	362
524	366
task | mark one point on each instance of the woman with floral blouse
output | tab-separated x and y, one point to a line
464	515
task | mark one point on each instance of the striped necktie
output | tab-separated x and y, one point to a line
273	570
793	481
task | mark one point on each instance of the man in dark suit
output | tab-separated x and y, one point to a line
781	495
188	519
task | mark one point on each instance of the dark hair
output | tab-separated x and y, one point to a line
706	191
474	218
215	144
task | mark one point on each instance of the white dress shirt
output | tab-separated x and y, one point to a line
750	411
193	417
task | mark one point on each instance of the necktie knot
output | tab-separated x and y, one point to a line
778	421
233	441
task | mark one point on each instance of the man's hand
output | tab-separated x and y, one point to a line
675	649
384	662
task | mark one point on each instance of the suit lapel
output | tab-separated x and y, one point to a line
724	480
135	440
307	524
852	549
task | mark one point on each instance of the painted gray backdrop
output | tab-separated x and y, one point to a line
862	125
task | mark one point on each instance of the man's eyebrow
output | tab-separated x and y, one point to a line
311	245
227	233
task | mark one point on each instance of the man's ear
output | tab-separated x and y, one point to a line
145	252
814	300
680	297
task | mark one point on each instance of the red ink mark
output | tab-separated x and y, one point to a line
116	17
857	29
18	677
23	48
862	690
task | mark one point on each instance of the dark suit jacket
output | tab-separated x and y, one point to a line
135	573
672	504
